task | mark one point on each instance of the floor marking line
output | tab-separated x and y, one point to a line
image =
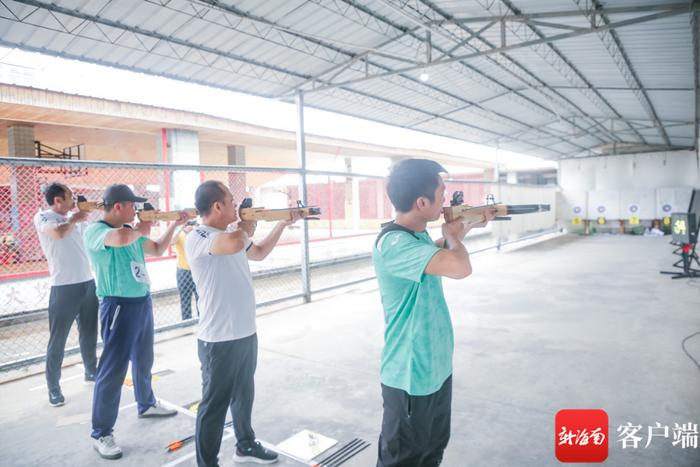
43	386
127	406
190	455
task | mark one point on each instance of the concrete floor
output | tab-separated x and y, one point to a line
575	322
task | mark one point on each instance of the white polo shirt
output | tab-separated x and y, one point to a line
68	261
225	286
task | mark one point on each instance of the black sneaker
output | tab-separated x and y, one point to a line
89	379
56	398
254	452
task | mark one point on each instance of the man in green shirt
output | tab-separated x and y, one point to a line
416	366
117	253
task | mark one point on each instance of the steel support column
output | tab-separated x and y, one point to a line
303	195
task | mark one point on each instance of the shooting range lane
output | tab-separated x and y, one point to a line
536	330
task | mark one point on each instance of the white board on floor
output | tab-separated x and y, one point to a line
306	444
638	203
603	203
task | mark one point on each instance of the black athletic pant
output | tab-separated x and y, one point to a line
68	303
228	369
415	429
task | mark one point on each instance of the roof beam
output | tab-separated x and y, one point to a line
485	113
467	106
469	127
155	35
452	59
338	69
314	39
105	63
521	73
617	88
450	38
365	56
473	73
633	148
564	138
410	83
633	121
558	14
425	112
548	24
556	59
311	38
500	50
472	35
594	11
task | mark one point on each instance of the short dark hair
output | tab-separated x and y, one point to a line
207	194
410	179
52	190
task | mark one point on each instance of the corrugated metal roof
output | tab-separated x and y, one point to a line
569	90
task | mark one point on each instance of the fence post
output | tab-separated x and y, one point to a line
166	174
497	177
330	207
301	152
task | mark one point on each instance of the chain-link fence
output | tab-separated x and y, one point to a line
339	241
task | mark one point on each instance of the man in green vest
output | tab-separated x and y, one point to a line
416	366
117	253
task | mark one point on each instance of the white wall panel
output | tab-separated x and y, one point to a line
670	200
634	177
603	203
639	203
572	204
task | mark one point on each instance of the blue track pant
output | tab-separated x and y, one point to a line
127	333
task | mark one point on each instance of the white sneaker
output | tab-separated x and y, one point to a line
107	448
158	411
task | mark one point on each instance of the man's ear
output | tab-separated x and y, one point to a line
421	202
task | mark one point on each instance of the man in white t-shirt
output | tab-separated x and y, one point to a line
72	295
227	340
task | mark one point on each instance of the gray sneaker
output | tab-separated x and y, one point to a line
107	448
158	410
